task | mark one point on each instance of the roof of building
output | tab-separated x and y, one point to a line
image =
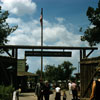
26	74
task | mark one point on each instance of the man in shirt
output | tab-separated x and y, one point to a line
74	90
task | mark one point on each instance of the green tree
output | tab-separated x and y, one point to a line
60	72
92	35
5	29
38	72
67	68
50	72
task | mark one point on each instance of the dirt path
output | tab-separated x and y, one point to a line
32	96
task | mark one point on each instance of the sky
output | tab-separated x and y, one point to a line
62	20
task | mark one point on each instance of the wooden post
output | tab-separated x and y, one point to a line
12	52
15	74
84	53
80	55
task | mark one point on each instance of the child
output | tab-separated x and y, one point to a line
64	95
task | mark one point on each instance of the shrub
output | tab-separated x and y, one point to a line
6	92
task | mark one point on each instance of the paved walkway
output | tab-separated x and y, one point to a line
32	96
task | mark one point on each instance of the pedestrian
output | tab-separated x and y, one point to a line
69	87
64	95
16	94
58	93
39	90
46	91
95	94
74	90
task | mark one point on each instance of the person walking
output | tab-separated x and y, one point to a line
69	87
74	90
46	91
39	90
58	93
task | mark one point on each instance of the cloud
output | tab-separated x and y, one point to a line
58	34
54	34
60	19
92	26
14	21
19	7
29	33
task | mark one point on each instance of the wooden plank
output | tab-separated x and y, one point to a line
81	55
89	62
87	68
89	53
46	47
84	98
7	59
84	53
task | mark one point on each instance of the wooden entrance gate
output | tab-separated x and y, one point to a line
46	51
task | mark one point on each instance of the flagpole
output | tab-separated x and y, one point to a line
41	21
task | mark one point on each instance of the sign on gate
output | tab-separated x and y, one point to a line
49	53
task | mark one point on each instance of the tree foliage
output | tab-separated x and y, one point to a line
92	34
38	72
50	72
5	29
67	68
60	72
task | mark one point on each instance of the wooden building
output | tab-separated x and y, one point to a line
7	70
87	73
26	81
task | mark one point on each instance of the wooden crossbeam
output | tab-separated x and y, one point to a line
89	53
46	47
7	52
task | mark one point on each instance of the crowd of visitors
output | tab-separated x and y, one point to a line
43	89
73	89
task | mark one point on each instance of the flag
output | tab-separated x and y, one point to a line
41	17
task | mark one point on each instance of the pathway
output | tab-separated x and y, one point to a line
32	96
